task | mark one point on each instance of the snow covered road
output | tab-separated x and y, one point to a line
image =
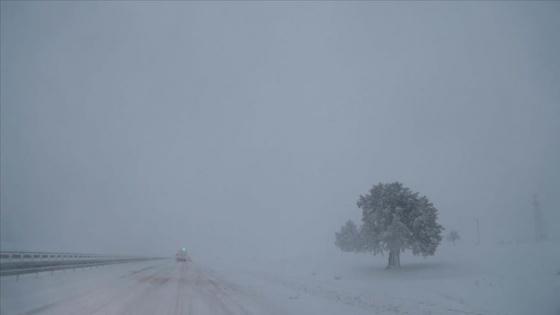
153	287
161	287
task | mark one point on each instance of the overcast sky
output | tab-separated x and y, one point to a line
140	127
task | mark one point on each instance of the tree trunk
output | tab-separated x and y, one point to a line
394	259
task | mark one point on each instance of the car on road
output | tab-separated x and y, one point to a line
182	255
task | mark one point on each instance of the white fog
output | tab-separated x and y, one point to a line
244	134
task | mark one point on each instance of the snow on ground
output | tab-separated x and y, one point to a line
33	292
154	287
507	279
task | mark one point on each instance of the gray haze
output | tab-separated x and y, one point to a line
139	127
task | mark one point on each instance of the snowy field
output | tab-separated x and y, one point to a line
508	279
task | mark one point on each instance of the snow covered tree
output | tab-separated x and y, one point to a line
349	238
453	236
396	219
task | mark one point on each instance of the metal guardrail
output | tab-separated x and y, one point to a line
16	263
42	256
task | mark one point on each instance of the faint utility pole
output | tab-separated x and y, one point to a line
477	232
540	230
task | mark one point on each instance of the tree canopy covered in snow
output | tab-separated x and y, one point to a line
349	238
453	236
395	219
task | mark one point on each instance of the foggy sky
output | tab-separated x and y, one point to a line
140	127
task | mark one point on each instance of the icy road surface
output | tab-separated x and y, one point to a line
155	287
